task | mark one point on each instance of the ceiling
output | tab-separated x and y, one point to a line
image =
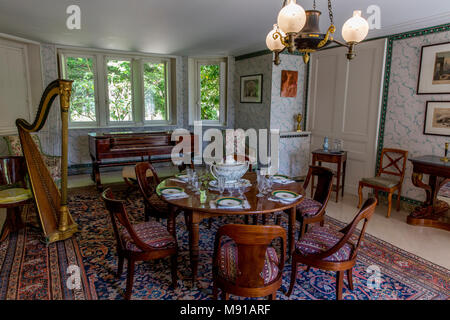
193	27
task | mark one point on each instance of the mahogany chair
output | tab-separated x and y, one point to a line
313	210
332	250
147	180
139	242
392	182
13	193
244	263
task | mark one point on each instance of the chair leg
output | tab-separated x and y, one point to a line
273	296
339	283
375	191
322	222
173	266
293	276
264	218
350	279
246	220
360	195
225	296
278	219
308	268
130	278
398	198
209	223
186	219
120	266
389	204
255	219
303	229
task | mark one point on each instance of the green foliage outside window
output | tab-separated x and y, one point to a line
82	101
155	94
119	90
210	91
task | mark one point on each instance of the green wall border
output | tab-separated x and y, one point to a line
387	76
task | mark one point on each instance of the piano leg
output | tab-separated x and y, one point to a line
96	175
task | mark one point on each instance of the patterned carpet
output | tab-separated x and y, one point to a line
404	276
31	271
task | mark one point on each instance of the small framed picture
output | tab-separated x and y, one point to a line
434	72
251	88
437	118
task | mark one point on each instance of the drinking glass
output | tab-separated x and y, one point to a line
241	188
269	183
196	185
189	172
221	184
261	187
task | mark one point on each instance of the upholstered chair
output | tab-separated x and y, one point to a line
53	163
245	263
389	177
327	249
139	242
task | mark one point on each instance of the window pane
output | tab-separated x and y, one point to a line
210	91
82	100
119	90
155	91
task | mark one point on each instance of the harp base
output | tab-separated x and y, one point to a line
62	235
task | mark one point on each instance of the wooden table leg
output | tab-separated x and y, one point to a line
291	230
193	243
171	222
338	180
343	177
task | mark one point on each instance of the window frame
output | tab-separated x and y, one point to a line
168	92
195	90
109	122
75	54
100	58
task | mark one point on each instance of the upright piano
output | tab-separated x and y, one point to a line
153	146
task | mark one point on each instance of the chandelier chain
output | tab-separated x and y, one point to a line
330	12
314	4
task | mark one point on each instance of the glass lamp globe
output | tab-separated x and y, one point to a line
356	28
292	17
274	44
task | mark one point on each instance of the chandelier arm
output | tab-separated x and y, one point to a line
340	43
277	35
330	12
328	36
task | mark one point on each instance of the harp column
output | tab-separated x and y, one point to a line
65	88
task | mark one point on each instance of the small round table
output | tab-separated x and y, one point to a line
197	211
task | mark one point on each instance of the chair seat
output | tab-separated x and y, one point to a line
320	239
14	195
130	173
381	181
309	207
152	233
228	265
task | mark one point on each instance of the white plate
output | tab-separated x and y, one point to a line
286	195
167	191
229	202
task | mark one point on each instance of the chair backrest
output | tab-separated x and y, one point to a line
12	170
119	218
397	162
365	213
324	183
252	242
147	183
14	146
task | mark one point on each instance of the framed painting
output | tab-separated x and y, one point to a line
434	72
437	118
289	83
251	88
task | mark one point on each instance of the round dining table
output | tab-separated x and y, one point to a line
195	211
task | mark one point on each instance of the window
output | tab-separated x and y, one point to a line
208	96
81	70
120	104
123	90
155	91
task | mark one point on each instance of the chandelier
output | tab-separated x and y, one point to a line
299	30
